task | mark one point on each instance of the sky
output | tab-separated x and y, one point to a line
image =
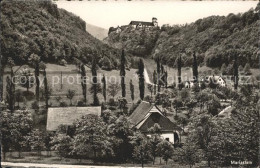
107	14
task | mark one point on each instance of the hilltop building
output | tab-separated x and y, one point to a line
135	25
142	24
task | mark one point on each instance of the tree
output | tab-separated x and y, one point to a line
235	73
94	80
83	83
240	69
122	105
104	88
177	102
183	120
188	154
195	67
154	81
70	94
19	97
34	59
98	88
10	87
121	131
90	136
6	132
179	62
236	136
165	150
158	74
21	127
132	90
155	139
62	144
150	88
140	73
204	131
113	89
142	148
213	105
224	69
47	89
247	70
26	79
122	73
36	141
10	97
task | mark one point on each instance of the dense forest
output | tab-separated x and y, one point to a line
137	42
56	35
215	39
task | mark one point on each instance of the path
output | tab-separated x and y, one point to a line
11	164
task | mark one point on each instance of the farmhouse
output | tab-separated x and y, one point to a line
219	80
68	115
146	115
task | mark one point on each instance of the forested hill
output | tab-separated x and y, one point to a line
56	35
215	39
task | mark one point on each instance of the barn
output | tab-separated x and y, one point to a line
68	115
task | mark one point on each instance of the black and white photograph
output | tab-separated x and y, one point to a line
129	84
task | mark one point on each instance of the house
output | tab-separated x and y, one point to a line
147	114
142	24
188	84
219	80
68	115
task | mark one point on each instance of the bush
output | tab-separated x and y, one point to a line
28	95
112	102
63	104
81	103
63	62
35	105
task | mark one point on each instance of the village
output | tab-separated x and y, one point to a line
122	110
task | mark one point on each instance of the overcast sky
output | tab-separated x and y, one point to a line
113	13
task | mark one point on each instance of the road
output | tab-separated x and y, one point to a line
34	165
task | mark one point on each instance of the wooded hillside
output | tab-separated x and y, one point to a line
56	35
215	39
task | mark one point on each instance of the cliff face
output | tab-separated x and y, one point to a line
215	39
54	34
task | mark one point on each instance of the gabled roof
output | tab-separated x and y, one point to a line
143	23
68	115
146	115
140	112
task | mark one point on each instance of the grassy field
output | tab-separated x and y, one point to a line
71	80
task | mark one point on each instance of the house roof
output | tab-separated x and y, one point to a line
225	113
146	115
143	23
140	112
68	115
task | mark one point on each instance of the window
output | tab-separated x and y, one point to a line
167	139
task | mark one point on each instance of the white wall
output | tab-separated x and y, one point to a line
166	135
